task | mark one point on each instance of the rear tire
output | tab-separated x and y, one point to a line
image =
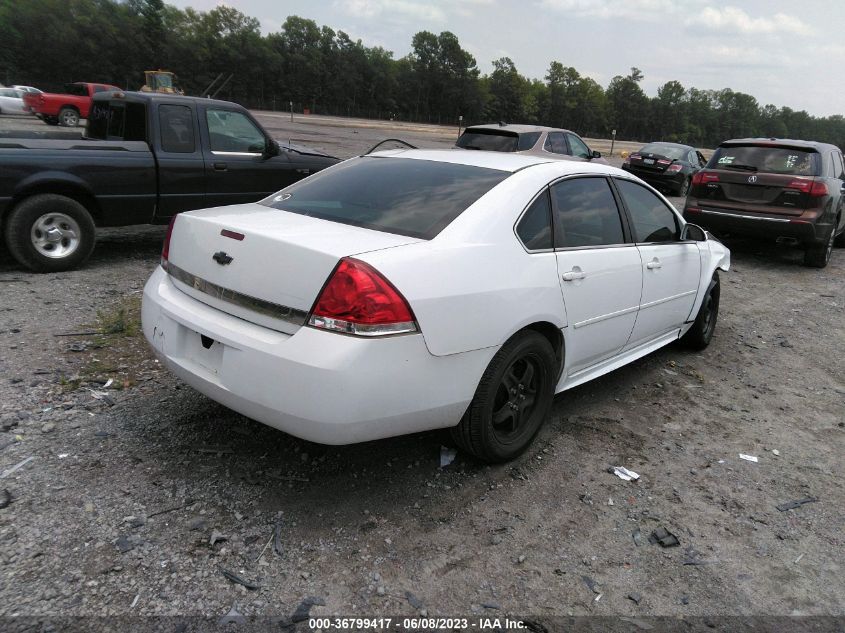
839	240
683	190
700	334
818	255
50	233
512	400
68	117
50	120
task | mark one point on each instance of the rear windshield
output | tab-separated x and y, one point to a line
117	121
417	198
766	158
668	151
79	90
497	141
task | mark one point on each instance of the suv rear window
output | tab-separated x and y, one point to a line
766	158
418	198
497	141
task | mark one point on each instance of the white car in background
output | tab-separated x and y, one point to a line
411	290
11	101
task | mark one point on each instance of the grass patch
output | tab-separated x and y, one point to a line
123	319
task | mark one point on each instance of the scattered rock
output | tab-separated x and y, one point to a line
635	597
49	427
413	600
664	537
5	499
239	580
198	523
303	611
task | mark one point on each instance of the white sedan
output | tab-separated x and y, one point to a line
11	101
413	290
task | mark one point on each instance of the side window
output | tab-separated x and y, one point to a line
693	159
653	220
555	143
837	161
587	214
535	227
578	147
100	89
233	132
176	127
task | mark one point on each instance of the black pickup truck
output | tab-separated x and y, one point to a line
144	158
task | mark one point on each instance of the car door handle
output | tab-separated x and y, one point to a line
220	166
572	275
654	263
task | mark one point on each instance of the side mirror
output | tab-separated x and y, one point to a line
596	154
271	148
693	232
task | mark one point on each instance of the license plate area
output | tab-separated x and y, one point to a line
204	351
648	161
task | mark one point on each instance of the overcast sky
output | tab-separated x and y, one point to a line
785	53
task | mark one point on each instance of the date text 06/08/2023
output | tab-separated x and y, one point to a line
414	624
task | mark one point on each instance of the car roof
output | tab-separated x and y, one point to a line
517	128
777	142
669	144
503	161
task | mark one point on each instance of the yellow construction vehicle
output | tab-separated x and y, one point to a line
160	81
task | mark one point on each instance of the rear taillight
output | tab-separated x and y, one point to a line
674	168
165	249
663	161
358	300
704	177
814	188
818	189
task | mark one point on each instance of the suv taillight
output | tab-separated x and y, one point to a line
818	189
358	300
814	188
165	249
704	177
674	168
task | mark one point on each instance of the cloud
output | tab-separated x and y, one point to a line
735	20
645	10
370	9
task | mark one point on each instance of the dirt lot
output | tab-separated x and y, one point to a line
137	495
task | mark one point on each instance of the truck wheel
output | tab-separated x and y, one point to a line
69	117
48	233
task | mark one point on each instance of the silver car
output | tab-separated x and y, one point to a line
537	140
11	101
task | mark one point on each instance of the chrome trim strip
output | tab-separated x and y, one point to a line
222	153
267	308
604	317
744	217
665	299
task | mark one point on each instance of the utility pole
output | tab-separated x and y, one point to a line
460	123
291	111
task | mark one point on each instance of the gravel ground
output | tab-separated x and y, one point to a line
137	496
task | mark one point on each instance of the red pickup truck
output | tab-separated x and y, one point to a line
65	108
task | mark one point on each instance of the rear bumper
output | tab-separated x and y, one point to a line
657	180
320	386
739	222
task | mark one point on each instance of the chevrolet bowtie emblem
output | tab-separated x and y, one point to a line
221	258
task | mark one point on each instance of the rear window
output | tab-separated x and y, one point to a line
117	121
675	153
417	198
79	90
497	141
766	158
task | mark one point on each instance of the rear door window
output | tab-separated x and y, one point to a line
767	159
586	213
535	227
653	221
176	127
837	165
417	198
556	143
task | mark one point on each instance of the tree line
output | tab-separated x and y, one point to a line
47	43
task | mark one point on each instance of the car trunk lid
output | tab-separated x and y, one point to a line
261	264
650	162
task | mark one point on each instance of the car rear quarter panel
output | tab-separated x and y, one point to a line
474	285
